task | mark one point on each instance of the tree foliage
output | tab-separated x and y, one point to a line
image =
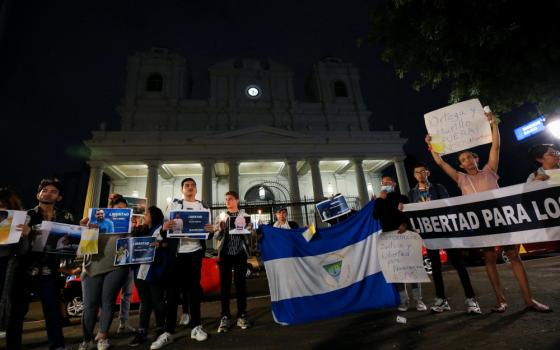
504	52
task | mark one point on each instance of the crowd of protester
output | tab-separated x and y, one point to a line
174	277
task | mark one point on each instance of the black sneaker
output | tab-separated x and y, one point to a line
138	339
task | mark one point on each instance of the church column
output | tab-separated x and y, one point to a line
293	184
376	182
152	182
233	177
207	176
317	185
94	185
361	181
316	179
401	176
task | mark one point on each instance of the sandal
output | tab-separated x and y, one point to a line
538	307
500	307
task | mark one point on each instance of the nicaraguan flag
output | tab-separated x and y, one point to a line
335	273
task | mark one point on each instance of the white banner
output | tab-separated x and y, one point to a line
524	213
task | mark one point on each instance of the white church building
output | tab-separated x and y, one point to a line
250	135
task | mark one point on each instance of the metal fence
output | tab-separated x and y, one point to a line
262	213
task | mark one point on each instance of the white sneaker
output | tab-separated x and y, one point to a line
403	306
225	323
125	328
2	334
472	306
103	344
185	319
243	322
420	306
199	334
85	345
440	305
163	340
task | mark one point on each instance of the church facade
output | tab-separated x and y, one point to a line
250	135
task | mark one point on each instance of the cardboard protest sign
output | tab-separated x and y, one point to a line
400	257
458	127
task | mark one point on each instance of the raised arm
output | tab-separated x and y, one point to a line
494	156
448	169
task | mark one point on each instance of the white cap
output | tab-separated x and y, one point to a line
487	109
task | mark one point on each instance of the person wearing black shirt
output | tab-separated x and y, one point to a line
388	210
39	272
233	252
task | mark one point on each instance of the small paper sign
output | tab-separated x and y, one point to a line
400	257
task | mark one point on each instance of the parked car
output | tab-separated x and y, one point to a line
72	293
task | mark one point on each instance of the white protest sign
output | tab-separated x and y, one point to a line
9	219
400	257
458	127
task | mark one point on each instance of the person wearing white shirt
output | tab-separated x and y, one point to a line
186	269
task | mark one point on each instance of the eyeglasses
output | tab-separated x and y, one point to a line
422	172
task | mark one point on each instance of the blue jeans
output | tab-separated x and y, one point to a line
100	291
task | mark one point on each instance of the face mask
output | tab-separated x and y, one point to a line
387	188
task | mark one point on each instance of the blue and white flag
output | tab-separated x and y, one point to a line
335	273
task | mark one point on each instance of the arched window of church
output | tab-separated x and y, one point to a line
154	82
340	89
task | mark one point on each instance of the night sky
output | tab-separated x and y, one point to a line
62	71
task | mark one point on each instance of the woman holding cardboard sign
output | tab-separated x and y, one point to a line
472	180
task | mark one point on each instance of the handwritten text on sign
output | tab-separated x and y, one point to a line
400	257
458	127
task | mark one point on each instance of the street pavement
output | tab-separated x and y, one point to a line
378	329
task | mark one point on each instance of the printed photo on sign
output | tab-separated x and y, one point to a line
137	204
188	223
239	225
400	257
135	250
458	127
57	238
332	208
9	219
111	220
